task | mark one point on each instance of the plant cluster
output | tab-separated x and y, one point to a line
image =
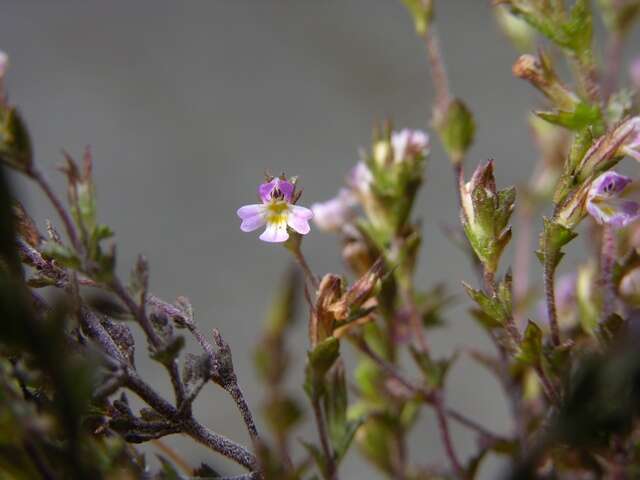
570	370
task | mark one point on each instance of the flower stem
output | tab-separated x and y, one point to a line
294	247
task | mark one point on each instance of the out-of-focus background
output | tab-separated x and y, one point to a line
186	104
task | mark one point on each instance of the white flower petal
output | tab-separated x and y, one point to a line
253	217
298	219
275	233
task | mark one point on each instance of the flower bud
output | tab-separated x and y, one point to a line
485	215
607	150
517	30
573	209
540	73
422	12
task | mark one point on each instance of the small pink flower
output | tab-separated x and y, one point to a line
277	211
605	201
360	178
409	143
333	214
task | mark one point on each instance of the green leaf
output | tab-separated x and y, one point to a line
341	445
319	361
530	350
456	128
65	256
318	457
434	371
552	239
585	115
492	307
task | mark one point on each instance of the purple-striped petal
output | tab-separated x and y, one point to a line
606	202
299	219
275	233
276	188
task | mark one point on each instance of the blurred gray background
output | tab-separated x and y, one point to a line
186	104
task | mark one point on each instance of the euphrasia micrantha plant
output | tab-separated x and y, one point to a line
564	345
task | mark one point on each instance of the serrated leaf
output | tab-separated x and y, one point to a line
583	116
530	349
490	306
552	239
62	254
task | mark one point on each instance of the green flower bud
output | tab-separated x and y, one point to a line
485	215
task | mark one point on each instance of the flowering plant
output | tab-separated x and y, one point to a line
569	369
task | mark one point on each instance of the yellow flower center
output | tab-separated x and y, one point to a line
277	212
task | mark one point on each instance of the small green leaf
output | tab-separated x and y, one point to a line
318	457
62	254
585	115
530	349
492	307
552	239
319	361
456	128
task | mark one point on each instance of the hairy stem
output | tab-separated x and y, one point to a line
550	296
607	263
190	426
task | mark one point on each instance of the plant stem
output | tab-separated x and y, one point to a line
438	404
438	70
614	56
550	296
522	263
607	263
299	256
69	227
324	438
190	426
